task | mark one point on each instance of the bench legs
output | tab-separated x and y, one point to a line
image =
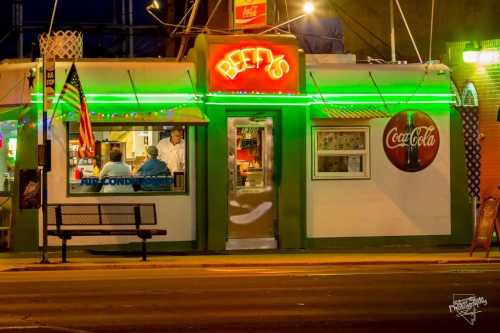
144	250
64	250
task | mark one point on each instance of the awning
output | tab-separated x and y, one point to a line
191	114
14	82
12	112
320	111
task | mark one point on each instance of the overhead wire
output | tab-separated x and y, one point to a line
339	8
213	13
182	19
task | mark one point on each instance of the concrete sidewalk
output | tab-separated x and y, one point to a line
80	260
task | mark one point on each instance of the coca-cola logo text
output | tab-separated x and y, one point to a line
419	136
411	140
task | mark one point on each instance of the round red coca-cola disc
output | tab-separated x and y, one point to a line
411	140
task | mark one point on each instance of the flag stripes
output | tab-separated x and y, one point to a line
72	94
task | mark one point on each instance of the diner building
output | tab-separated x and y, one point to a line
265	147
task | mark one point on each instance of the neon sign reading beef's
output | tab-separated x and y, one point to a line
241	60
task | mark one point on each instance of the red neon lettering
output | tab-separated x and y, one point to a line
240	60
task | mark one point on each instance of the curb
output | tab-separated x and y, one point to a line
149	265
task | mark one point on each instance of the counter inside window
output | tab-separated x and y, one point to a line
129	159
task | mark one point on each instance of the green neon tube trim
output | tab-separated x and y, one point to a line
330	95
162	102
128	95
328	104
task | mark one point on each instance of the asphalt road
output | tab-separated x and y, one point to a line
385	298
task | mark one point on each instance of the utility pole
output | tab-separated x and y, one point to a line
17	23
393	32
170	13
49	84
124	24
185	39
130	29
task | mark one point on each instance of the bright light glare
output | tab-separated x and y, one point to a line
483	57
489	57
470	57
308	8
154	5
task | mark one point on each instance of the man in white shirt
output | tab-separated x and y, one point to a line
172	150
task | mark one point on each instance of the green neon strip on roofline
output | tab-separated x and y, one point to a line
330	103
331	95
170	101
382	102
387	94
127	95
266	96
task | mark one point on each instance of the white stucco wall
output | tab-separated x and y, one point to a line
392	202
176	213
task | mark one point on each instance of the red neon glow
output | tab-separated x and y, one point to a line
257	66
240	60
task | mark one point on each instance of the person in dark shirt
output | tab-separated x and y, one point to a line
153	167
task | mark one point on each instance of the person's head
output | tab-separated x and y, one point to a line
115	155
152	152
176	135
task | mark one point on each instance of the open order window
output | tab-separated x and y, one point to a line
341	152
129	159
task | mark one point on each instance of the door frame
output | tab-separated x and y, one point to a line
276	175
290	141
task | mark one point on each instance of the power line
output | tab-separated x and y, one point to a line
338	8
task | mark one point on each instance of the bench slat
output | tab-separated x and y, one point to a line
103	232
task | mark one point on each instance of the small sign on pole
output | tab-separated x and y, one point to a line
49	66
486	224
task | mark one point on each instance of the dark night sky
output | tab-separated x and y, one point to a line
365	29
94	17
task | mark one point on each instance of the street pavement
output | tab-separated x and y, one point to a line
82	260
223	298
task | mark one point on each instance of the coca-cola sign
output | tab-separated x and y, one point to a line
411	140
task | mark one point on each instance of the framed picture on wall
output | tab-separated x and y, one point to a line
29	189
341	152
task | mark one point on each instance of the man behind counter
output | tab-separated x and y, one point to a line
171	150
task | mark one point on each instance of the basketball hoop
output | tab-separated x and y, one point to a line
66	44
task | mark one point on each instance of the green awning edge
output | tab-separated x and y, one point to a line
191	114
331	112
12	112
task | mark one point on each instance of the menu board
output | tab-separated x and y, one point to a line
488	220
341	140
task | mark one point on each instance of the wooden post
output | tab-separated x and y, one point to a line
185	39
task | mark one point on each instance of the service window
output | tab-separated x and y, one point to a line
8	147
129	160
341	152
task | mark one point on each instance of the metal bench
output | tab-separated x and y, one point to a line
72	220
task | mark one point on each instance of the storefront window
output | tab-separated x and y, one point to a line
8	146
129	159
341	152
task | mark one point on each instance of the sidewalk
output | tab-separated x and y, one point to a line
81	260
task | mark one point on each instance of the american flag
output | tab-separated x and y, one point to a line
72	94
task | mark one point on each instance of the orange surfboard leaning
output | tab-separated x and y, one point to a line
487	222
